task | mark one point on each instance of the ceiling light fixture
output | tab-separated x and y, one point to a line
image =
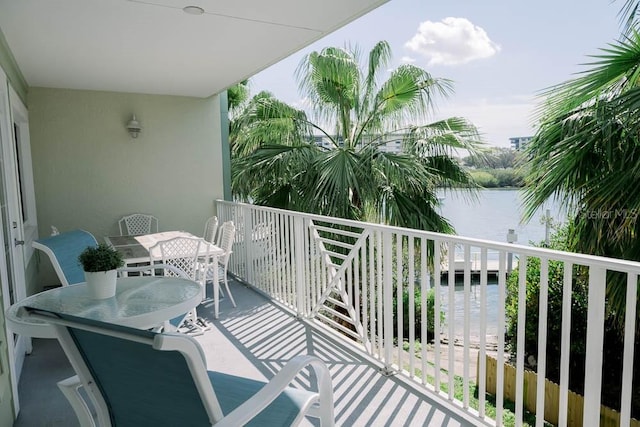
193	10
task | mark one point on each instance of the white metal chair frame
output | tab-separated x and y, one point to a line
70	387
137	224
315	403
226	238
210	229
181	256
182	253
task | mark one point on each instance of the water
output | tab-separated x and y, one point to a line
489	217
474	309
492	215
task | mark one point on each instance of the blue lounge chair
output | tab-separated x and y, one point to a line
139	377
63	250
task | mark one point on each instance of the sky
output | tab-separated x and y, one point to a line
500	54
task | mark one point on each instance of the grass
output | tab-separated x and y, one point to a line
508	413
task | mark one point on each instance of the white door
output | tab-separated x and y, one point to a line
16	210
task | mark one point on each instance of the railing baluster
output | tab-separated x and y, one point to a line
542	339
356	291
436	312
520	341
412	307
315	270
372	292
246	239
595	340
388	299
365	294
273	249
629	341
299	255
284	263
467	325
502	281
379	314
451	315
565	348
291	264
482	362
399	300
424	288
307	268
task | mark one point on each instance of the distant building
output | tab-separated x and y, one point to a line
520	142
392	144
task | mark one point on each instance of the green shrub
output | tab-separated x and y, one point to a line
417	325
484	179
508	177
613	345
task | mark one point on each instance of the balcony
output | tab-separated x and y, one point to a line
334	288
255	340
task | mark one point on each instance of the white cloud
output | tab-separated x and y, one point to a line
407	60
451	41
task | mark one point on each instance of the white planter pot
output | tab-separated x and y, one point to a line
101	284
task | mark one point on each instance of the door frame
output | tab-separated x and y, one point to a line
20	200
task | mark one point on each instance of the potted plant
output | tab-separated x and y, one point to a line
99	264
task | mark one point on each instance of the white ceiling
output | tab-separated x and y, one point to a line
154	47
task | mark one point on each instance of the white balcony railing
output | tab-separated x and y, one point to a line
349	275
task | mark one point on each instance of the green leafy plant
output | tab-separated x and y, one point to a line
100	258
417	325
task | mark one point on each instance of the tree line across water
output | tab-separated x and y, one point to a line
496	167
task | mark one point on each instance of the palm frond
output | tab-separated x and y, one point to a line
276	161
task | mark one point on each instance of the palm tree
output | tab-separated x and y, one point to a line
586	153
276	161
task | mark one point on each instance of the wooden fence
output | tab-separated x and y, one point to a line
608	416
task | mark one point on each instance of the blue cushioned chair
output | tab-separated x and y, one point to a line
140	378
63	250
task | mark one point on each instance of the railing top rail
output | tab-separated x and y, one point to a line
530	251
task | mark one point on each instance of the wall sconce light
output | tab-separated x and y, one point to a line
133	127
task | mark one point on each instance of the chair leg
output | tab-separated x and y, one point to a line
71	390
226	285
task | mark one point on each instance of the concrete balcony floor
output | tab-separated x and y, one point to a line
255	340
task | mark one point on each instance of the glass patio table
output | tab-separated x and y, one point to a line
142	302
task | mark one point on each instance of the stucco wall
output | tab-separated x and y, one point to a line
89	172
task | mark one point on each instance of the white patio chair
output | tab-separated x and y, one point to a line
71	387
181	256
226	237
137	224
210	230
143	378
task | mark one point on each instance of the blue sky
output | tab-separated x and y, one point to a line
499	53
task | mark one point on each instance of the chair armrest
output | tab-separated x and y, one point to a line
253	406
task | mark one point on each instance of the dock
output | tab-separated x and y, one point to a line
493	267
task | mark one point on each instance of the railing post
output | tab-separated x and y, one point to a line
595	341
298	256
246	240
387	301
